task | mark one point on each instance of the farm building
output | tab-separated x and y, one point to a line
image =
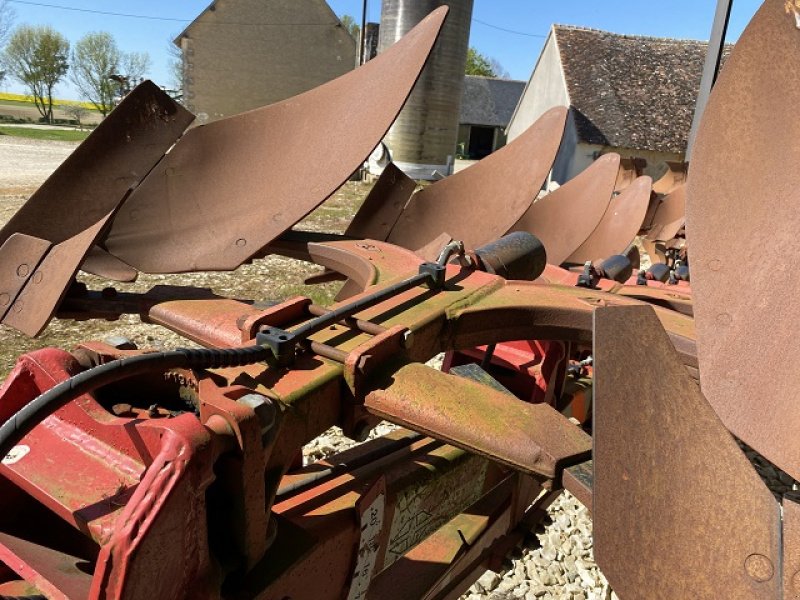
242	54
633	95
487	104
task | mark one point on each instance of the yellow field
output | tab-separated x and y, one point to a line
29	99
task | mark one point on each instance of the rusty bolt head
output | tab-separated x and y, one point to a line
759	567
408	339
264	409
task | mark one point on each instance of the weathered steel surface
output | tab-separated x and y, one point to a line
382	207
619	225
480	204
670	216
19	256
791	547
742	222
49	281
565	218
629	170
675	176
99	262
231	187
533	438
117	155
72	206
665	523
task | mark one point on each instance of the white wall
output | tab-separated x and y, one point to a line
545	89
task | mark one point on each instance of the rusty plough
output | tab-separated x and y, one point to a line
135	474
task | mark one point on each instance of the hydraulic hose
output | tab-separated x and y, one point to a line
47	403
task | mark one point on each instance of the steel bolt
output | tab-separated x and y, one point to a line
408	339
759	567
264	409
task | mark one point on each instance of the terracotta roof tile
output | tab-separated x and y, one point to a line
631	91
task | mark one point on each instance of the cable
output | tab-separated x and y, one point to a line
47	403
99	12
171	19
534	35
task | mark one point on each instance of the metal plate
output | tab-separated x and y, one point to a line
565	218
533	438
619	225
47	284
73	206
19	256
479	204
101	263
117	155
232	186
675	176
670	216
742	222
383	205
678	510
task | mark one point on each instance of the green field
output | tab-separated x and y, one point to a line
45	134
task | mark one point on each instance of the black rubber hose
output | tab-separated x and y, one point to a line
50	401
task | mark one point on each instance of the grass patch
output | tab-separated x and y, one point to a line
61	135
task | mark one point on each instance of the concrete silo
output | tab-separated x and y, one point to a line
423	139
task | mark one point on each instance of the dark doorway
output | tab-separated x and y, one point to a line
481	141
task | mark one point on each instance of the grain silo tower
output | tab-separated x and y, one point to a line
423	139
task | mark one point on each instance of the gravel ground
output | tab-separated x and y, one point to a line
26	163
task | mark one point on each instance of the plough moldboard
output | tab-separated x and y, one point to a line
130	473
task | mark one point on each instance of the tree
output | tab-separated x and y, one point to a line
37	57
95	59
7	15
77	112
478	64
175	66
499	70
350	25
6	21
134	66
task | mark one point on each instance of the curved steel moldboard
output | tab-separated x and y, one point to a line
74	205
565	218
742	221
670	216
99	262
672	178
619	225
382	206
479	204
232	186
678	510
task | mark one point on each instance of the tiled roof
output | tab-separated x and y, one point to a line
631	91
488	101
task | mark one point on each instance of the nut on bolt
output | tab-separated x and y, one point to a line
263	407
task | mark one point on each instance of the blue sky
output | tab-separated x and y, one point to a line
516	52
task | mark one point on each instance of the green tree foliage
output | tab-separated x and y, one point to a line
37	57
478	64
134	66
6	21
7	15
350	25
94	59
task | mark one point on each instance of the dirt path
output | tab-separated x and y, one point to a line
25	163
